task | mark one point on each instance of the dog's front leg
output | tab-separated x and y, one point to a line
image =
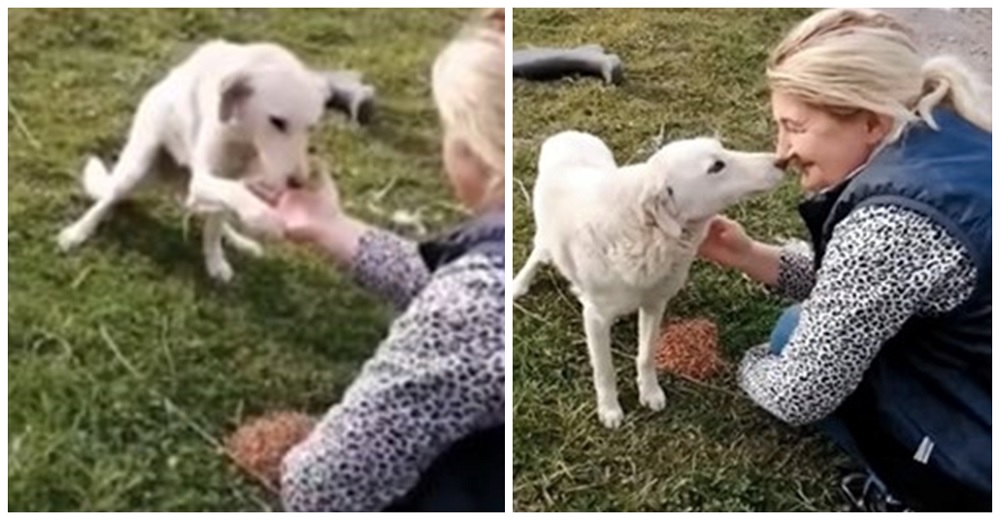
598	331
650	393
215	258
209	193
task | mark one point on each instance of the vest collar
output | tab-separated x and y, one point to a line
484	231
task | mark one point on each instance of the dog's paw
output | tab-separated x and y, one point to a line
611	415
518	289
244	244
249	247
70	237
263	221
652	396
220	270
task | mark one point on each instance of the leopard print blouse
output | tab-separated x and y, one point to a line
883	265
437	376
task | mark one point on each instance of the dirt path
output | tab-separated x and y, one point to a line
967	33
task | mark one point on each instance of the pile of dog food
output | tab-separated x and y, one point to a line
690	348
259	445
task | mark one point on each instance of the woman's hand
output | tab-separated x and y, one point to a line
313	215
726	243
308	213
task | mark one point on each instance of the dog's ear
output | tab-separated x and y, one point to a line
234	90
661	211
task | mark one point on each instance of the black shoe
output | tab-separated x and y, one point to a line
865	494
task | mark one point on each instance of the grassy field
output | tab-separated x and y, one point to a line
691	72
126	364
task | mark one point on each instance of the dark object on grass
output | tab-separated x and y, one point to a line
543	64
350	95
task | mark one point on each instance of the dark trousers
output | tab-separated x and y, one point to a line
469	476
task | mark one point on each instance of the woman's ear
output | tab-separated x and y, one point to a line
467	173
877	127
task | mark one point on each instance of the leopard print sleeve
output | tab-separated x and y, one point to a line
438	376
796	276
883	265
389	266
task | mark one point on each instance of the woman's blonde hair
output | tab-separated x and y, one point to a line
845	60
468	82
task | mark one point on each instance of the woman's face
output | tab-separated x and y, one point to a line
824	148
466	172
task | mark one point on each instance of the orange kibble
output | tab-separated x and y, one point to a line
690	348
259	445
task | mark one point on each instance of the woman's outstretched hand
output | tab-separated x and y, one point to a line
307	212
726	243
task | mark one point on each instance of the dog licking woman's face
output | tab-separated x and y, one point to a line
694	179
276	109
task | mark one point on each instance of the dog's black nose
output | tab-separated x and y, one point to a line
781	163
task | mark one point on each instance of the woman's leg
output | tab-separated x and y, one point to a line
861	489
469	476
783	329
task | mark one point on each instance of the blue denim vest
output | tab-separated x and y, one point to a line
922	414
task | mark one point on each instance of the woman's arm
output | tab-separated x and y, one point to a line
437	377
796	276
787	270
883	265
381	261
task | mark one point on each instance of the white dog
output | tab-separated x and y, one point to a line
230	114
626	237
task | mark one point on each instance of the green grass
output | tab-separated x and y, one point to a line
125	362
691	72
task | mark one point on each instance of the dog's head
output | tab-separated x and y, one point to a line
275	105
694	179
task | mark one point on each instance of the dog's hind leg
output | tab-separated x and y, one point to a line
211	240
650	393
240	241
134	164
598	330
523	279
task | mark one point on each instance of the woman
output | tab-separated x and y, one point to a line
889	351
422	426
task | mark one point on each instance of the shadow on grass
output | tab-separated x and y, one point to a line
267	290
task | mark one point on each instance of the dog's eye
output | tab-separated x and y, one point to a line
278	123
716	167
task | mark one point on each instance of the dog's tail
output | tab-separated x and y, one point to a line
96	179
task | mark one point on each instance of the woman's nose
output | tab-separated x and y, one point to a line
782	150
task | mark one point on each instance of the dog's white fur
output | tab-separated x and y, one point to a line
626	237
231	114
